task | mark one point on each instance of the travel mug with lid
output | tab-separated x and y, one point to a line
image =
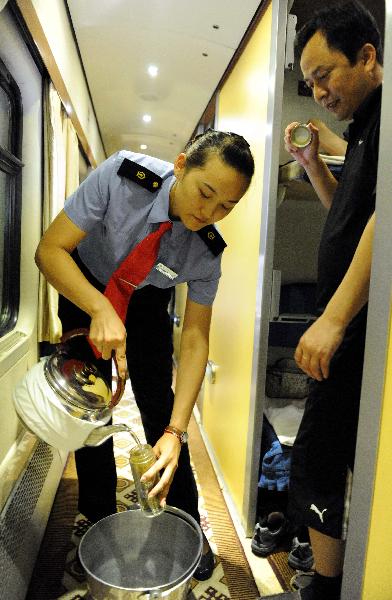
301	136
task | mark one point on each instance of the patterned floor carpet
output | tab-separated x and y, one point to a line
57	575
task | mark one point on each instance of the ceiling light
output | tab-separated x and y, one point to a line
143	147
152	70
146	118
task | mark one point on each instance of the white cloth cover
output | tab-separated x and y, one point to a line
41	410
285	415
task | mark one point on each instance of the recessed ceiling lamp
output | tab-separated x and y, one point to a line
152	70
146	118
143	147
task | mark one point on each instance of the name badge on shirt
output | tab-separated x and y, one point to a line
166	271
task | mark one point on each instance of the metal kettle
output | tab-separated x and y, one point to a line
82	389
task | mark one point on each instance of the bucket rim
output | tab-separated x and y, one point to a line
160	588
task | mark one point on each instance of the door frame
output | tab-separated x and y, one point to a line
266	253
379	311
377	340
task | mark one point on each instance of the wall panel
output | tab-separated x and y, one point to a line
242	108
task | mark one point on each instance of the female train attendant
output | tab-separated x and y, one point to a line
125	199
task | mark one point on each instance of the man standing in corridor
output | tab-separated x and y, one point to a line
341	61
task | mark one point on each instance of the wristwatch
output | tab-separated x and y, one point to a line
182	436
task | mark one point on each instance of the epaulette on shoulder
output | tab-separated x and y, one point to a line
212	238
139	174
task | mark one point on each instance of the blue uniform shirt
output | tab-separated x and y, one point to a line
118	213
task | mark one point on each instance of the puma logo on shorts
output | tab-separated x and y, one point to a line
320	513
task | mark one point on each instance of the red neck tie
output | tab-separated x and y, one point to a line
133	270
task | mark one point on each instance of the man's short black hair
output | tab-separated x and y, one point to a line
346	27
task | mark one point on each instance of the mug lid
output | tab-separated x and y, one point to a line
300	135
78	382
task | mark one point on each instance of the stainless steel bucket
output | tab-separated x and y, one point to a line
129	557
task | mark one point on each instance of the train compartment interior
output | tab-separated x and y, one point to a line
54	129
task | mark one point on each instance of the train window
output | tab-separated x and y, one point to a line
5	110
10	198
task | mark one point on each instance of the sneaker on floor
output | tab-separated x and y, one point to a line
301	556
269	533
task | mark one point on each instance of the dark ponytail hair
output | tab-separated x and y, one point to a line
232	148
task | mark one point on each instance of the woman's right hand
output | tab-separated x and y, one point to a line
108	334
304	156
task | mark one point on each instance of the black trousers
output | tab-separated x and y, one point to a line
149	358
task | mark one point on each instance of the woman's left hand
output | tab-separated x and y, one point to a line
167	450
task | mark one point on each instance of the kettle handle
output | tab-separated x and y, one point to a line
116	397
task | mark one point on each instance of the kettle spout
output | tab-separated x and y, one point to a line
99	435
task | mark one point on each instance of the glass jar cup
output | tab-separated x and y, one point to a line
141	458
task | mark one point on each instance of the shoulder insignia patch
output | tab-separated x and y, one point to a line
212	239
139	174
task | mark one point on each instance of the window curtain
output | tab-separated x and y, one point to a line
61	178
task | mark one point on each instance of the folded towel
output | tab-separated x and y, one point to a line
275	469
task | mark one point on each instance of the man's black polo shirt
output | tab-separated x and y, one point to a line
353	202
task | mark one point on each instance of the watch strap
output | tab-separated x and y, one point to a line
182	436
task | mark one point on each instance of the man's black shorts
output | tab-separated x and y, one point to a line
325	445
